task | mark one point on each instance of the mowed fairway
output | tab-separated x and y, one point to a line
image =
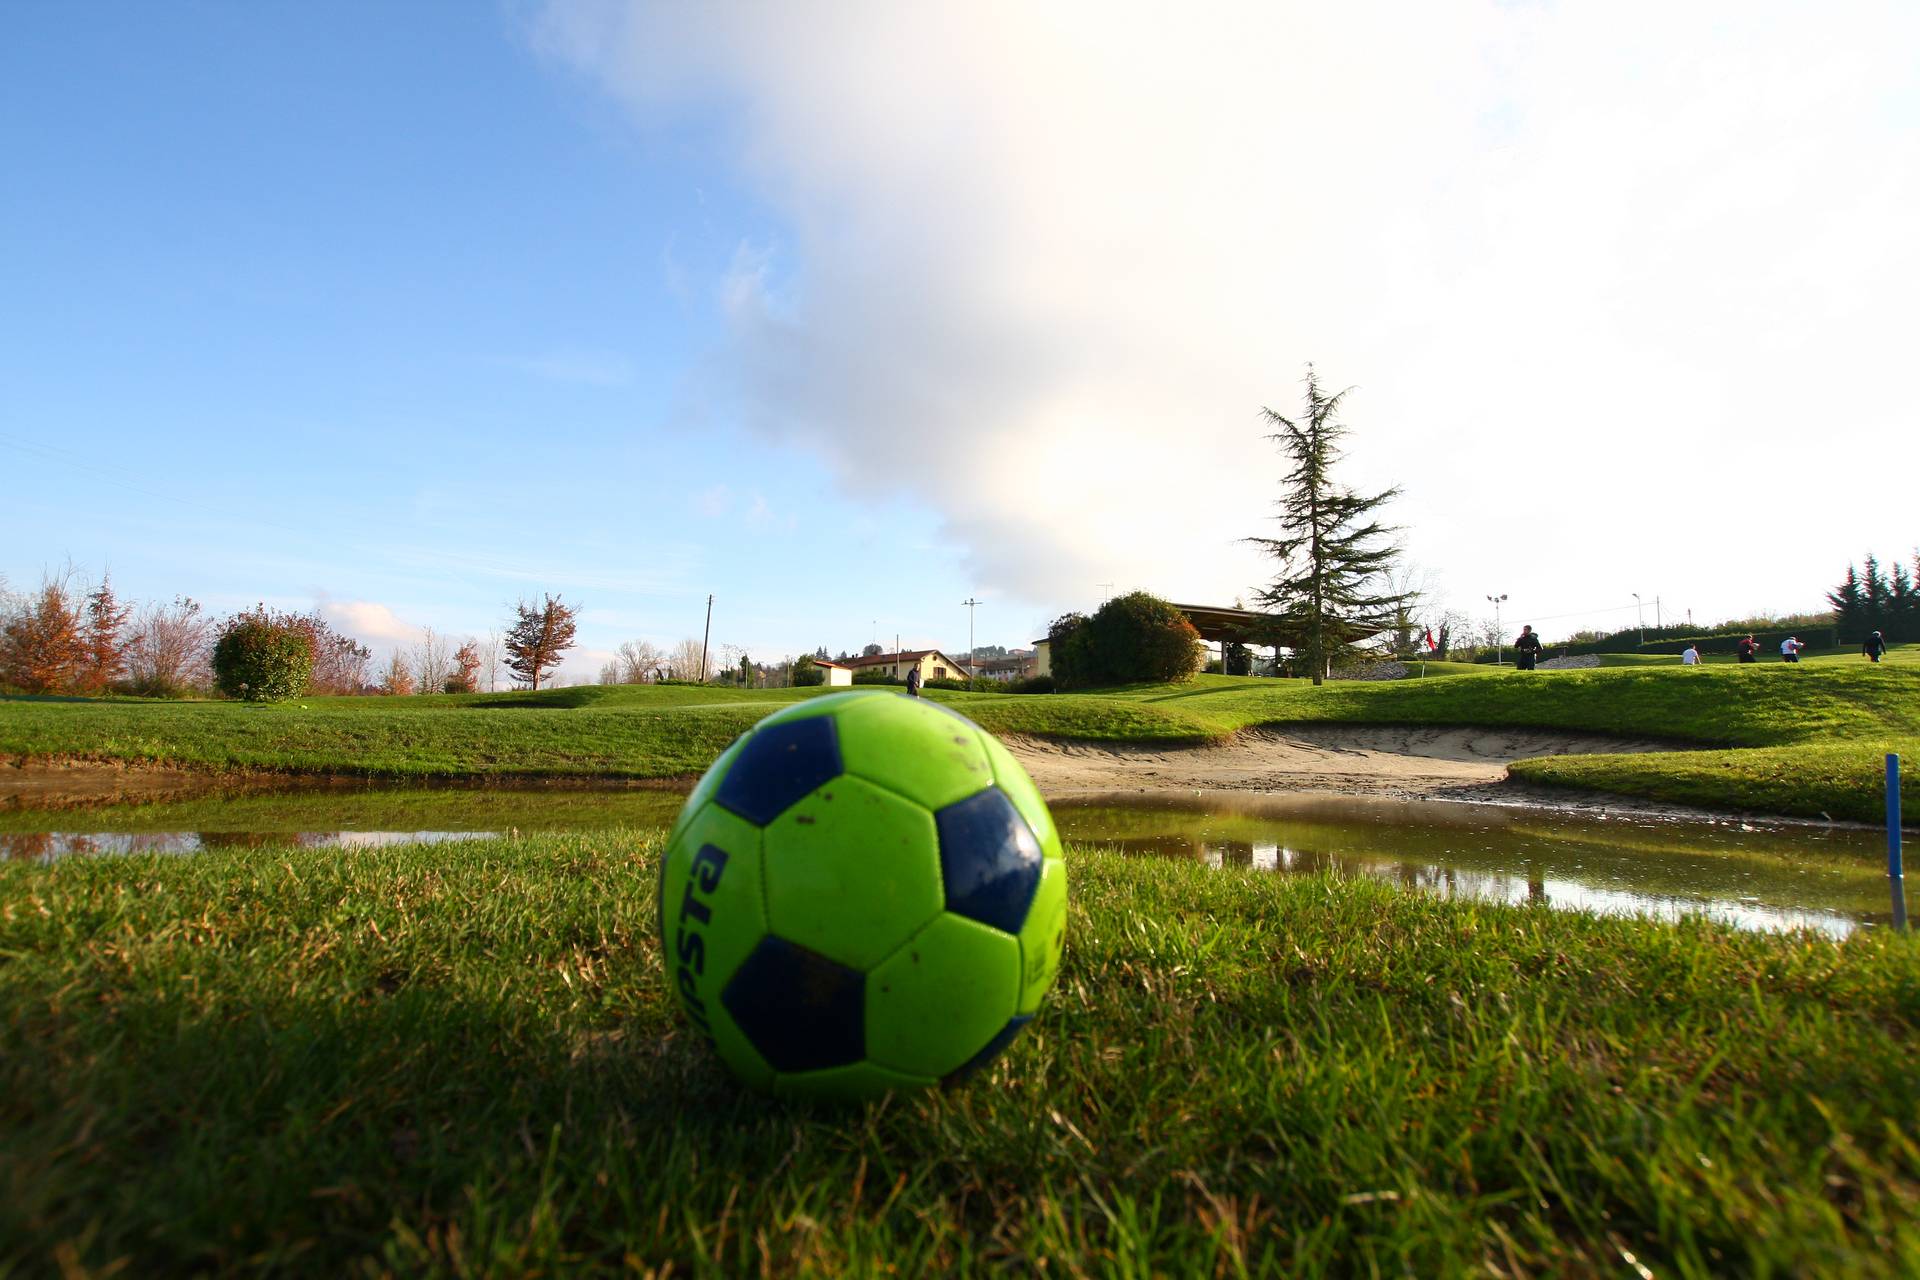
1804	740
462	1059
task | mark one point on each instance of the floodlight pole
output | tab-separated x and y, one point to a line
1499	636
704	637
970	602
1640	617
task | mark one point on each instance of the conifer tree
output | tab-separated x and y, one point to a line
1333	553
103	644
1849	608
1874	605
1901	605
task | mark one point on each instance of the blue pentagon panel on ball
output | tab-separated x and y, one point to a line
802	1011
780	762
989	859
1012	779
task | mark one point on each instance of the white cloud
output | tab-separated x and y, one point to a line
1621	284
369	622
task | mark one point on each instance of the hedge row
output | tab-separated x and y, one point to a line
1769	641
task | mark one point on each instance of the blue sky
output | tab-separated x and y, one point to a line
325	305
846	313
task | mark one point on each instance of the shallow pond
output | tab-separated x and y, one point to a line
1752	875
1757	876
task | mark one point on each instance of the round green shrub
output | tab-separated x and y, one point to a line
1132	639
262	658
1139	638
808	673
1068	653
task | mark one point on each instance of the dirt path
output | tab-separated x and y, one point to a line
1380	760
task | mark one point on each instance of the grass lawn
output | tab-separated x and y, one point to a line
461	1059
1820	727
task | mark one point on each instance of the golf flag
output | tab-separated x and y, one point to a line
1431	646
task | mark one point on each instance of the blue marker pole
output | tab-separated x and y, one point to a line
1895	876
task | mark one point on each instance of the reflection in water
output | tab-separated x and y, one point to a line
45	846
1752	877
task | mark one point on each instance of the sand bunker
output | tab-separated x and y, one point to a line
1358	759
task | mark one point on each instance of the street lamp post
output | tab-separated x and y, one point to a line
970	602
1498	635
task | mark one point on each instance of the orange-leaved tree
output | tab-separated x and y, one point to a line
537	637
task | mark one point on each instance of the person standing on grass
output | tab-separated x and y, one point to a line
1875	647
1790	649
1690	656
1749	649
1526	649
913	681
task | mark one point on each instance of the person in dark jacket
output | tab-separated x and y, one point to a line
913	681
1748	649
1875	646
1526	649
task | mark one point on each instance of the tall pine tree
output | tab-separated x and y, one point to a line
1873	611
1901	605
1849	608
1333	554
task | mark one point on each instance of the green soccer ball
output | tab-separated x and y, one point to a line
864	893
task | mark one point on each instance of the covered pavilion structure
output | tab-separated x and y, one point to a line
1220	625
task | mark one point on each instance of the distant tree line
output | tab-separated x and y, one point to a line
1874	600
68	637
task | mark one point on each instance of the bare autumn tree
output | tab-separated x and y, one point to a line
537	637
339	662
466	669
431	662
638	661
684	661
490	660
170	648
610	673
398	679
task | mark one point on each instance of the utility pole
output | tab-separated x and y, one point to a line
704	637
1499	636
1640	617
970	602
1657	624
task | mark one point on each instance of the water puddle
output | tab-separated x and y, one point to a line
1749	875
327	816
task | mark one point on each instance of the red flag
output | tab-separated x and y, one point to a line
1431	646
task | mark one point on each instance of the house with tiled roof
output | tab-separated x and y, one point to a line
933	665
